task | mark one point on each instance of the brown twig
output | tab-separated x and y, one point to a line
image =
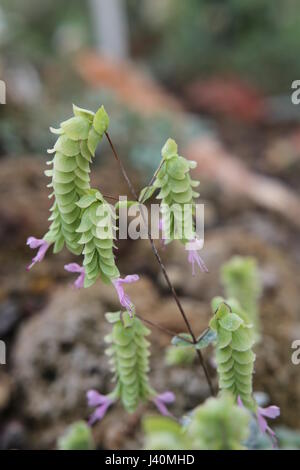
164	271
108	196
163	329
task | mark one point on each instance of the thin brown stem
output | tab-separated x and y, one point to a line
164	271
152	180
163	329
108	196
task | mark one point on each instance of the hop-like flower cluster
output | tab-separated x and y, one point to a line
74	149
97	230
176	191
129	359
234	355
235	359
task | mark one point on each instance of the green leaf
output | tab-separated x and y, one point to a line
93	141
224	338
146	193
242	339
77	437
203	341
231	322
112	317
125	204
86	201
169	149
83	112
76	128
184	339
66	146
101	121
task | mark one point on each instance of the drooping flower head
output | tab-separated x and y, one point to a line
76	268
124	298
42	245
129	358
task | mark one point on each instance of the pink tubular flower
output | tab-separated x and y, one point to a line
76	268
271	412
124	298
42	245
162	400
194	258
100	402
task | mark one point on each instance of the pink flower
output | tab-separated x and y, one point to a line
271	412
124	298
162	400
76	268
194	258
42	245
100	402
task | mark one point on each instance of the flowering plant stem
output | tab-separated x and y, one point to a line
163	269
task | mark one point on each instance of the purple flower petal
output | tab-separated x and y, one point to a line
101	402
95	398
43	246
76	268
161	400
124	298
73	268
270	412
194	258
167	397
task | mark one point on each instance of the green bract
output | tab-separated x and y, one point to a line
176	191
129	359
218	424
70	180
96	231
241	281
234	355
78	436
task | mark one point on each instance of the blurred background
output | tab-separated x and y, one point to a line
217	77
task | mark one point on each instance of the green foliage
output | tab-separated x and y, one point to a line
241	281
74	149
163	433
176	192
234	355
183	352
129	359
96	231
180	355
185	339
77	437
218	424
